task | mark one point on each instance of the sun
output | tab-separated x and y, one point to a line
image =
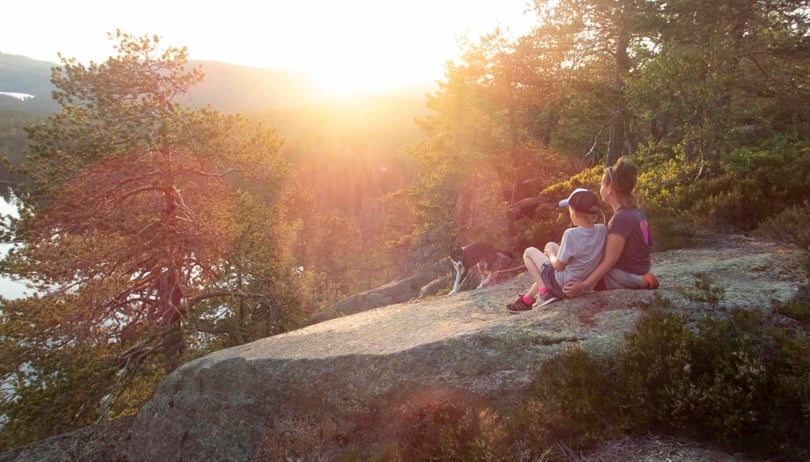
374	46
368	60
353	77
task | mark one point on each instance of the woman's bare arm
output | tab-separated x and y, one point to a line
613	249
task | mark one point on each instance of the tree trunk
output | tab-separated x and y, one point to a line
619	124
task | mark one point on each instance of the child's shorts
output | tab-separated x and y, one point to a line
547	274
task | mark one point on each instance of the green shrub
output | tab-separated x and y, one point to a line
654	365
547	223
448	427
756	183
669	229
791	225
796	309
739	191
574	400
724	378
727	379
662	190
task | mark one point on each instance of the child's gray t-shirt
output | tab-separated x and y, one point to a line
581	250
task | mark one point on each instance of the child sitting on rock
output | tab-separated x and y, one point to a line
577	254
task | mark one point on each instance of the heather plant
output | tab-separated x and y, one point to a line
662	188
574	400
791	226
705	291
654	365
796	309
448	427
727	378
747	188
723	378
754	184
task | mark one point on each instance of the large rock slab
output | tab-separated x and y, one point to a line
341	380
398	291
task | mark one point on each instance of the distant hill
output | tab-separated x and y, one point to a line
341	142
19	74
25	75
233	88
226	87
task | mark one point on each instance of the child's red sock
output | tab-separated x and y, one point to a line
528	300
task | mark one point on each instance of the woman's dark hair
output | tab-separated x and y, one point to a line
622	175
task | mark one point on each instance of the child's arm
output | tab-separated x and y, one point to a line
556	263
613	250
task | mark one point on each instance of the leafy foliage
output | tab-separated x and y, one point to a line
448	427
726	379
708	100
789	226
132	232
12	142
568	401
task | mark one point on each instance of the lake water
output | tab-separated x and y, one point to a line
8	288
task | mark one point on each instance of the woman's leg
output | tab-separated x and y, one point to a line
618	279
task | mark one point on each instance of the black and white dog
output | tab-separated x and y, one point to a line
482	256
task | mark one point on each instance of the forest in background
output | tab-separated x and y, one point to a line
157	232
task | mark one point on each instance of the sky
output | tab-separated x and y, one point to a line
369	44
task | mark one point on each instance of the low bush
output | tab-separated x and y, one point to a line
761	188
720	378
654	363
448	427
791	225
723	378
796	309
574	400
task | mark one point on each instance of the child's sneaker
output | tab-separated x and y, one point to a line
518	306
545	298
649	281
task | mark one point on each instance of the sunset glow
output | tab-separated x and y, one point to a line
349	46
